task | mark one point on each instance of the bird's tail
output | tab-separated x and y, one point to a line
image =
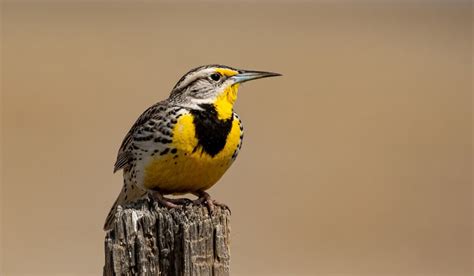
127	194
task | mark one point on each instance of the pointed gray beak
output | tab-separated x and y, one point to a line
245	75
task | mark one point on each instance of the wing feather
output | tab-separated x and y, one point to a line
125	155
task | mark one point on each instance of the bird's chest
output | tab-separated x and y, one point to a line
202	149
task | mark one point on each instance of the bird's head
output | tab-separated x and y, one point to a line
213	84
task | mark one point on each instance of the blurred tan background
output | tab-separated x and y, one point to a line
357	162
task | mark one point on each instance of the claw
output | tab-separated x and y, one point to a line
204	197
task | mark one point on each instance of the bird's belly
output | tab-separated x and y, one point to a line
185	173
186	167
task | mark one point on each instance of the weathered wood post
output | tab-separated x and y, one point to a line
150	240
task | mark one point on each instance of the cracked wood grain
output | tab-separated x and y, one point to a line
151	240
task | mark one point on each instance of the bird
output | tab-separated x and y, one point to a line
185	143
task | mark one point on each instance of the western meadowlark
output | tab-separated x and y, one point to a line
185	143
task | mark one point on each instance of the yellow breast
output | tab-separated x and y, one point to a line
186	167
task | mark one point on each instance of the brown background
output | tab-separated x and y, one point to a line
357	162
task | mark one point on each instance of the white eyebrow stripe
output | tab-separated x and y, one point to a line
189	78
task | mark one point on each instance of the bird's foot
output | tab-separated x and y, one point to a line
204	197
163	200
180	201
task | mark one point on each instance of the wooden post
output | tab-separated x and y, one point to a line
150	240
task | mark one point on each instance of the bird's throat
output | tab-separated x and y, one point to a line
224	103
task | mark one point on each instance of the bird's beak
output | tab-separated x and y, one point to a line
245	75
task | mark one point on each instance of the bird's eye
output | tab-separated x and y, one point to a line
216	77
